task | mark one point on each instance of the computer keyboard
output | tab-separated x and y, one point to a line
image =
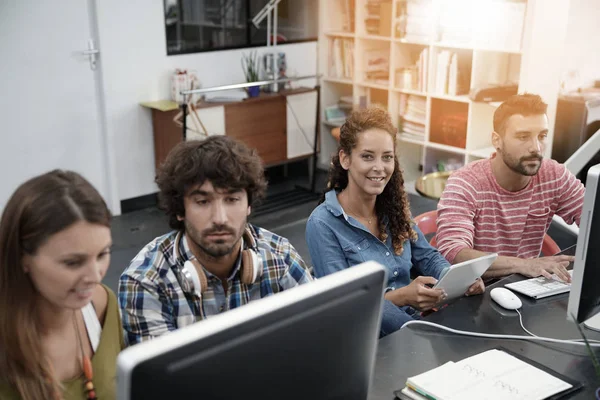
540	287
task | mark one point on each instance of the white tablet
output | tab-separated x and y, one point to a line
461	276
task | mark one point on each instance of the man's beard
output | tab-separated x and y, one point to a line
519	167
217	248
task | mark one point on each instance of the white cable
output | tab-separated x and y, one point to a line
533	334
523	326
496	336
298	123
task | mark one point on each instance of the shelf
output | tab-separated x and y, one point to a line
374	37
444	147
415	42
462	98
340	34
509	51
344	81
409	91
402	138
483	153
449	45
471	46
332	124
374	85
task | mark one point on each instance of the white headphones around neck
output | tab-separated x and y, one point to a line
195	280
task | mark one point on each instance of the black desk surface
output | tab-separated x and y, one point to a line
416	349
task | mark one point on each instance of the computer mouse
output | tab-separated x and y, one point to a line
505	298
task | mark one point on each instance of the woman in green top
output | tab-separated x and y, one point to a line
60	331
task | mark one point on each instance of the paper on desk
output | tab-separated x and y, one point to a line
491	375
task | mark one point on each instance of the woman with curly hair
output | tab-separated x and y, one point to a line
365	215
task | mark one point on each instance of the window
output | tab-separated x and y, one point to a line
206	25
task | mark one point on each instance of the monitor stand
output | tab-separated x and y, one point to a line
593	323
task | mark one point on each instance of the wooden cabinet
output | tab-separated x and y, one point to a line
281	126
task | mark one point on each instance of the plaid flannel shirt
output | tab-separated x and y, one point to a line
153	301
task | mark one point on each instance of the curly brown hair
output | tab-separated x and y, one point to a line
392	204
225	162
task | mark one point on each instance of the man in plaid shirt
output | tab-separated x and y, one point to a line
213	260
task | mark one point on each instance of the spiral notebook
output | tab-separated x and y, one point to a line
496	374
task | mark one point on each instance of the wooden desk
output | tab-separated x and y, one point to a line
279	125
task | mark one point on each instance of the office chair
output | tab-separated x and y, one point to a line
428	225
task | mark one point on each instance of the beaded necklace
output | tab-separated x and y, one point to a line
86	365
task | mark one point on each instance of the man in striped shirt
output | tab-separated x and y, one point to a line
505	204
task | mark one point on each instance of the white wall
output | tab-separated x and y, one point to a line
582	52
136	68
543	49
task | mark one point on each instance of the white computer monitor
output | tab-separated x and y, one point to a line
316	341
584	298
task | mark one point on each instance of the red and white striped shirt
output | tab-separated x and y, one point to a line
475	212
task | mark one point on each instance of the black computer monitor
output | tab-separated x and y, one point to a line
584	298
316	341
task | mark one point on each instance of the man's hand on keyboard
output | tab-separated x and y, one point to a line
546	266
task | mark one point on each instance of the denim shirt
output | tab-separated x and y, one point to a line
337	241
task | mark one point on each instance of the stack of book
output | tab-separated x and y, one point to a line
412	111
342	59
378	20
415	21
456	22
338	113
493	374
490	29
377	66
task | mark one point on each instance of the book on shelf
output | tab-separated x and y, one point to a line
450	76
493	374
413	108
377	65
415	21
341	60
334	114
414	77
490	30
347	14
378	17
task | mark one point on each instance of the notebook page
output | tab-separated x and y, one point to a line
445	381
507	377
491	375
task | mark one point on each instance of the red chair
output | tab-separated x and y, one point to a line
427	224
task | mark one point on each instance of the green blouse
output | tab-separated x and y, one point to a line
104	361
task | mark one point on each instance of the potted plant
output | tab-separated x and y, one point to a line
250	65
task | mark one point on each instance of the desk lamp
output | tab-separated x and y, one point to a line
270	12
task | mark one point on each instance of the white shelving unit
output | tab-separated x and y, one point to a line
455	129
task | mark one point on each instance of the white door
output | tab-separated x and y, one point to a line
50	108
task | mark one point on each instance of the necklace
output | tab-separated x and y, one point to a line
369	220
86	365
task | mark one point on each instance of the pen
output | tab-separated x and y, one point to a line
420	392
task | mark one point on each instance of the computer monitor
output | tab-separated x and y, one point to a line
584	298
316	341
